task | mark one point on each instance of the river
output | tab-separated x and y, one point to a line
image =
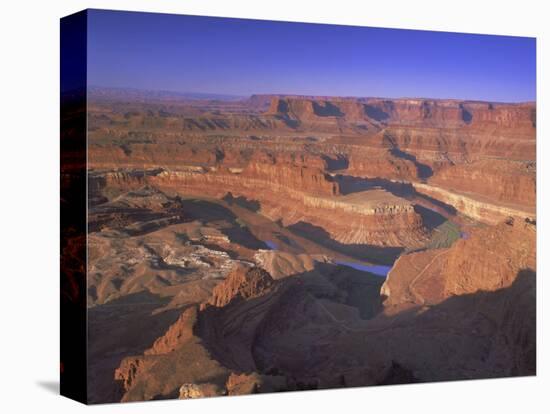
378	270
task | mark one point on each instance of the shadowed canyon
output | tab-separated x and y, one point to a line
279	243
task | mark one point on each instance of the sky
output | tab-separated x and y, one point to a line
244	57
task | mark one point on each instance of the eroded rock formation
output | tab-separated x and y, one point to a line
489	259
240	247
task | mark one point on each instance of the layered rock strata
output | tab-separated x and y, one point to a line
479	208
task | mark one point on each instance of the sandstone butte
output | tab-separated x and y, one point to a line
233	246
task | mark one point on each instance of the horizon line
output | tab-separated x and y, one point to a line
248	96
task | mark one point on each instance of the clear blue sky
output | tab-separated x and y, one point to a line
243	57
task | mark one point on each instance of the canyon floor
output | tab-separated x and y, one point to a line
281	243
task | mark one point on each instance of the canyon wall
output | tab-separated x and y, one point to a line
483	210
501	181
293	195
489	259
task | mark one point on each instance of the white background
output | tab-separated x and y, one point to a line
29	219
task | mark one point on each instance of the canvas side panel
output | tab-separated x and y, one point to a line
73	206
